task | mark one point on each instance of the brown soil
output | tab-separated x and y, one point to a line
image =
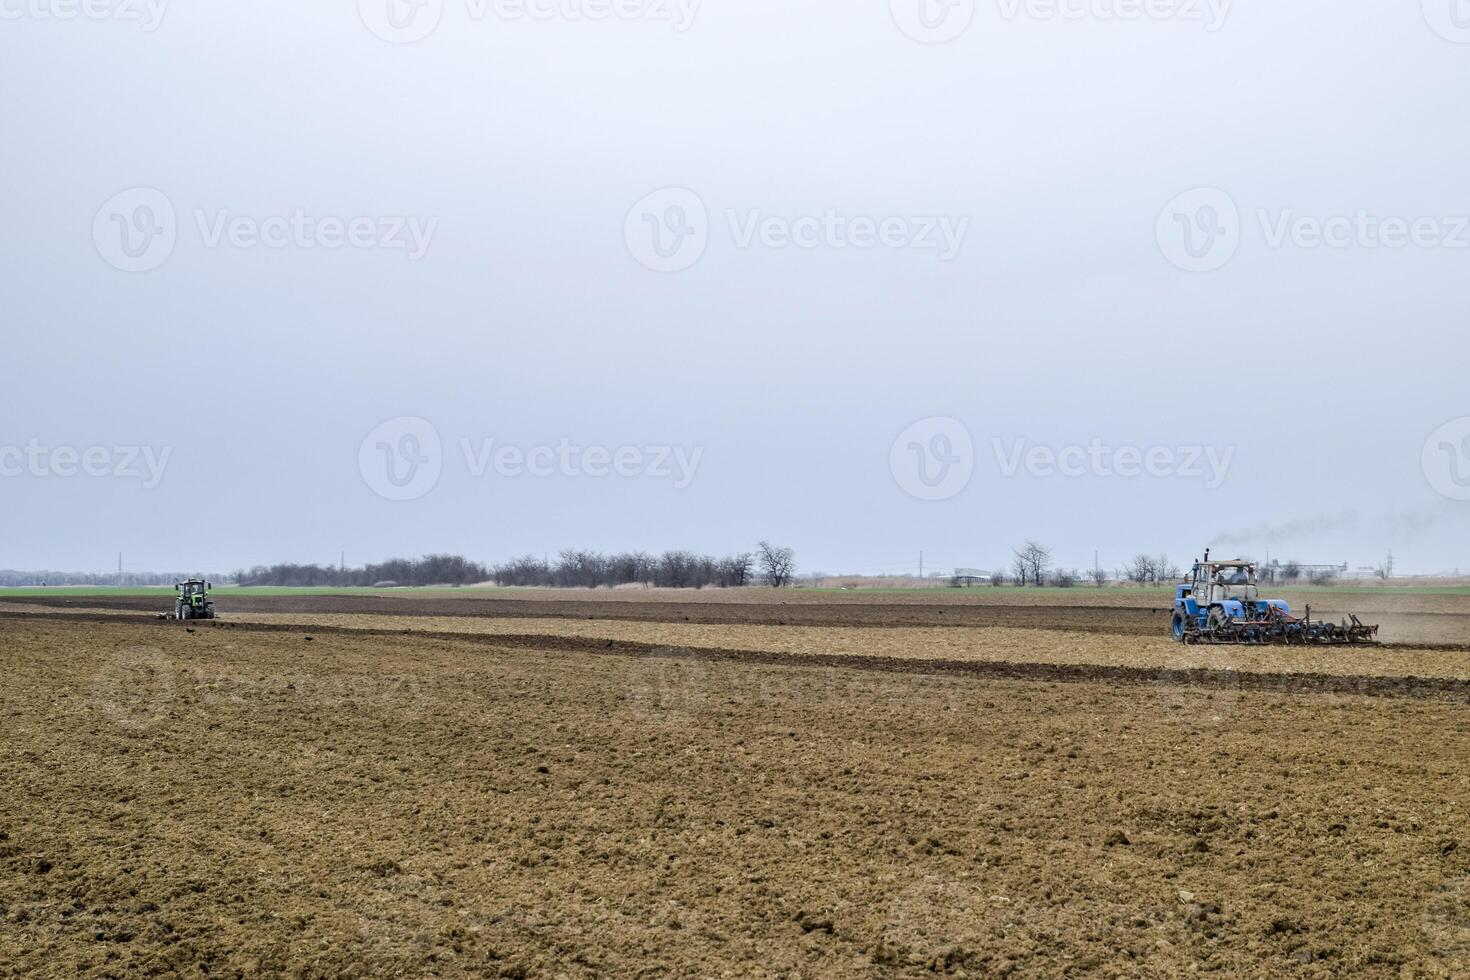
927	643
239	801
1407	619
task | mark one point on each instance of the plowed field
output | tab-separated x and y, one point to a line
550	795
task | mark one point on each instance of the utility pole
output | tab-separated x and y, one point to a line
119	569
921	566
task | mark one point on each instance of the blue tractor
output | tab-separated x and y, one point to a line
1220	603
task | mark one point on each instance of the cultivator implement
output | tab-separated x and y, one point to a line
1221	604
1277	627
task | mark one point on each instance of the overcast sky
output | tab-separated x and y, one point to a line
283	280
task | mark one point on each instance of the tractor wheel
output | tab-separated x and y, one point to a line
1178	627
1218	620
187	613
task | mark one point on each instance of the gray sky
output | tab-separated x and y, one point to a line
255	234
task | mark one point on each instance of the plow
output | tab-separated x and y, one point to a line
1220	603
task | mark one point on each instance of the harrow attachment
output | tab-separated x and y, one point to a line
1277	627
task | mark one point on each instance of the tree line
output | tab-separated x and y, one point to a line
1031	564
768	564
12	579
429	570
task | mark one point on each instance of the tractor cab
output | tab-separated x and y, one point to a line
1216	581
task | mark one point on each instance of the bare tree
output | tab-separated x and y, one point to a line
1064	578
1292	571
999	577
1141	570
1032	562
1165	570
737	570
1098	576
1020	571
777	564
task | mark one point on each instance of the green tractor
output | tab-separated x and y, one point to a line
192	601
